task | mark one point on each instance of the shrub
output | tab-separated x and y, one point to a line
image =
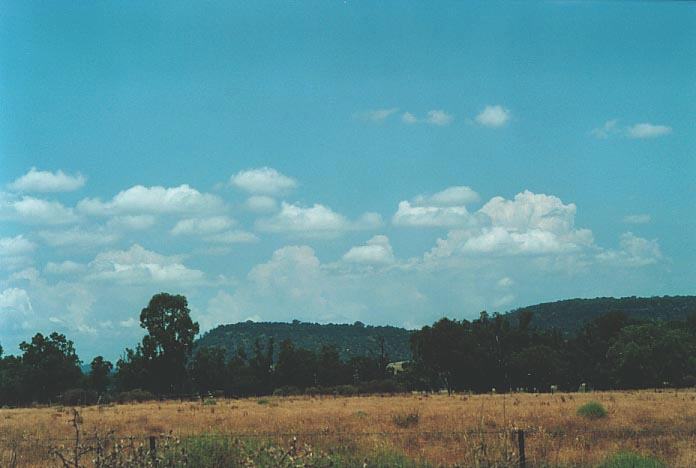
313	391
79	397
631	460
381	386
345	390
592	410
263	401
137	395
287	390
406	420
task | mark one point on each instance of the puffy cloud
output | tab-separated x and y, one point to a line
315	221
377	250
201	226
261	204
633	251
139	265
409	118
377	115
436	117
432	216
493	116
452	196
637	218
153	200
45	181
648	130
16	311
15	252
78	237
637	131
439	118
14	246
530	224
31	210
609	128
531	211
264	180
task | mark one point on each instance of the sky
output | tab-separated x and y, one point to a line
334	161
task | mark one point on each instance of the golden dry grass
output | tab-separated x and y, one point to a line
459	429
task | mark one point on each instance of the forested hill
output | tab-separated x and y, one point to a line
571	314
350	340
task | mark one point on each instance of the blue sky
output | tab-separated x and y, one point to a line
339	161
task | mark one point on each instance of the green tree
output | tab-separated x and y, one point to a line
100	374
49	367
169	341
208	369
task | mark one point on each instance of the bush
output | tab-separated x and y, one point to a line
631	460
79	397
345	390
406	420
136	395
287	390
313	391
592	410
382	386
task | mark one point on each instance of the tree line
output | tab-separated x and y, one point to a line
491	353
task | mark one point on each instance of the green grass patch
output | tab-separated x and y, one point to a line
592	410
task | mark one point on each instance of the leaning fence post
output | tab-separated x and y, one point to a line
153	449
520	442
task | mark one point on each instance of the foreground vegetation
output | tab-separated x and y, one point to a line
656	427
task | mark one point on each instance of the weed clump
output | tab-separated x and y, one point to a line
592	410
407	420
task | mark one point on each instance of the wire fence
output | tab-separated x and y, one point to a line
512	447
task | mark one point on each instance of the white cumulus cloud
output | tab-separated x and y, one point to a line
439	118
153	200
377	250
412	215
493	116
648	130
264	180
138	265
202	226
315	221
451	196
31	210
46	181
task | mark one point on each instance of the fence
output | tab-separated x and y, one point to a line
517	447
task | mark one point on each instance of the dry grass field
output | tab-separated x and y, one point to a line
437	430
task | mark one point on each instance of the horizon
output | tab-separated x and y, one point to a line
339	162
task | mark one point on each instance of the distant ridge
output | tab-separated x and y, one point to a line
571	314
350	340
357	339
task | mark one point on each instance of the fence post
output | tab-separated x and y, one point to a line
520	442
153	449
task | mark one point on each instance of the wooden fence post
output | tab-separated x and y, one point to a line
153	449
520	442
